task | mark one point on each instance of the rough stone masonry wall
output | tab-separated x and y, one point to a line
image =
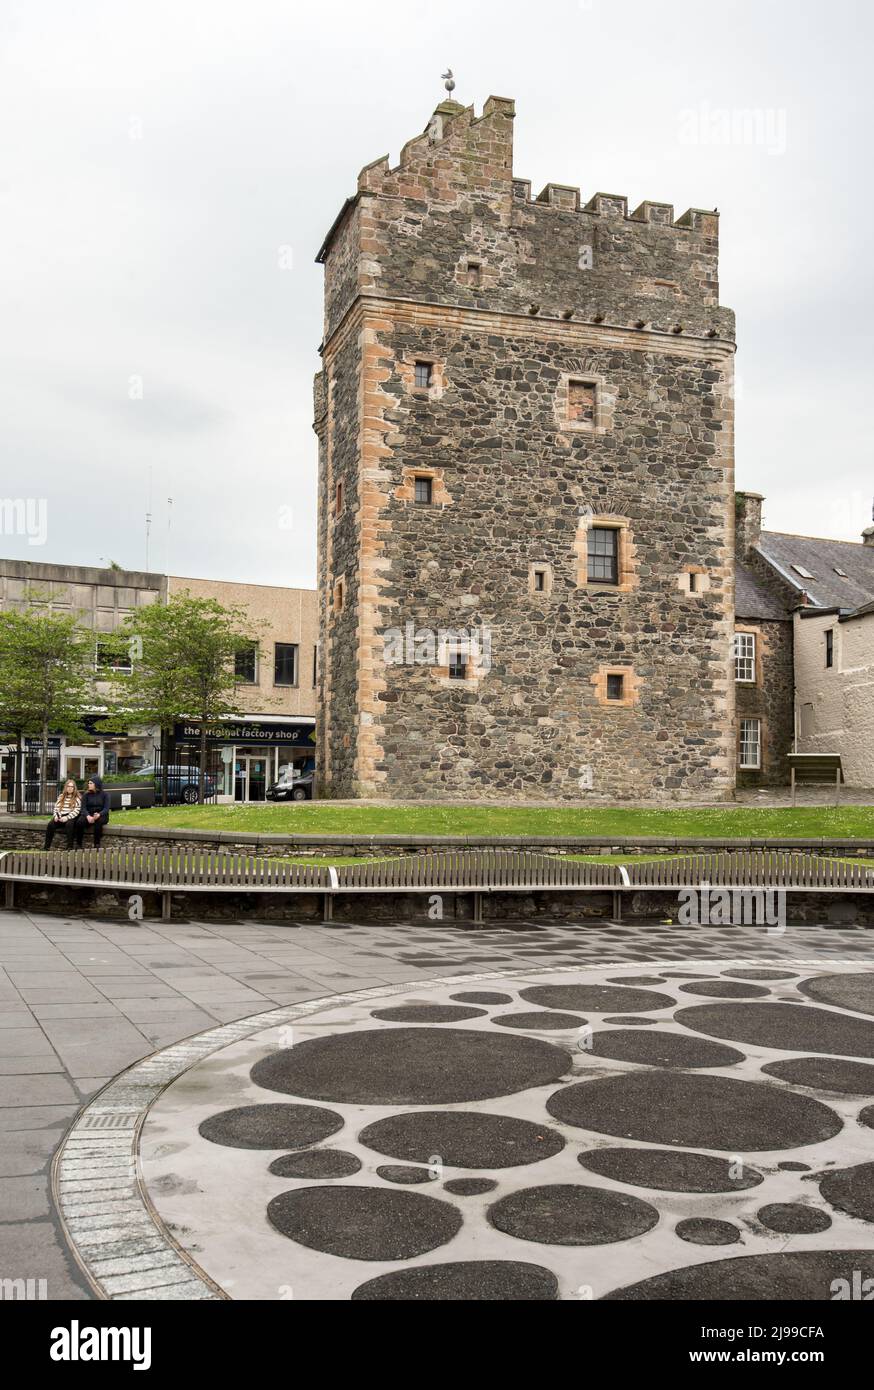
509	299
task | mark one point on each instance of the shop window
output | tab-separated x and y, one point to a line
603	555
423	491
246	666
750	744
285	663
745	657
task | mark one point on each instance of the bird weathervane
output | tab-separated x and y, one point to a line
448	81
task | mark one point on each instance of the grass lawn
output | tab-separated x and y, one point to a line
325	817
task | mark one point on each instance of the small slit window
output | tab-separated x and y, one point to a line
830	648
424	375
581	402
540	581
474	273
338	499
423	491
457	665
615	686
339	596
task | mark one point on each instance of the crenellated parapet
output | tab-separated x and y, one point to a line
451	223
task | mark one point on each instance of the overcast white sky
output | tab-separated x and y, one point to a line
161	156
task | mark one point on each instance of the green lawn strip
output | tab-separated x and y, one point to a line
324	817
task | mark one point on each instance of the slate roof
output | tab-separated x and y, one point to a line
753	599
822	558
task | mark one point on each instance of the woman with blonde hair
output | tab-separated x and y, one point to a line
65	814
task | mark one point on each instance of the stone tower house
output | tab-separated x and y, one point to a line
526	494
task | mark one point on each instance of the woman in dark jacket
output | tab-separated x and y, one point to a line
94	813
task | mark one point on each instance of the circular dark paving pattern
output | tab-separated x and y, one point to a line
316	1163
802	1274
790	1167
364	1223
670	1170
540	1019
271	1126
725	989
662	1049
825	1074
866	1116
854	992
411	1066
600	999
793	1218
403	1176
703	1230
695	1111
567	1214
426	1013
475	996
468	1280
761	974
470	1187
632	1020
851	1190
785	1027
462	1139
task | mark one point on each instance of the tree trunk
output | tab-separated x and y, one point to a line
44	768
165	771
19	774
201	771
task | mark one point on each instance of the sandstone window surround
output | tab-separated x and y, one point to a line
746	657
750	745
338	500
410	490
461	665
616	686
422	374
587	543
540	578
339	593
584	403
470	272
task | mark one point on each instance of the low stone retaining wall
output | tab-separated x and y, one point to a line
833	909
21	833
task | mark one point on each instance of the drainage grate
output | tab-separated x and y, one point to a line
124	1120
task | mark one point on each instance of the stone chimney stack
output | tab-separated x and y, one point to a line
748	521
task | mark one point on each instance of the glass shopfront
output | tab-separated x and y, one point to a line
254	753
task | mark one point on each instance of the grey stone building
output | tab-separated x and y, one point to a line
526	496
783	702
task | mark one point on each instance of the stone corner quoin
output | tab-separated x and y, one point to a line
565	370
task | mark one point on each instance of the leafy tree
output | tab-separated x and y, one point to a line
183	655
46	678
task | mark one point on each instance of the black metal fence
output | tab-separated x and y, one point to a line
21	780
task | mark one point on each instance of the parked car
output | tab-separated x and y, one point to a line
292	788
182	782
